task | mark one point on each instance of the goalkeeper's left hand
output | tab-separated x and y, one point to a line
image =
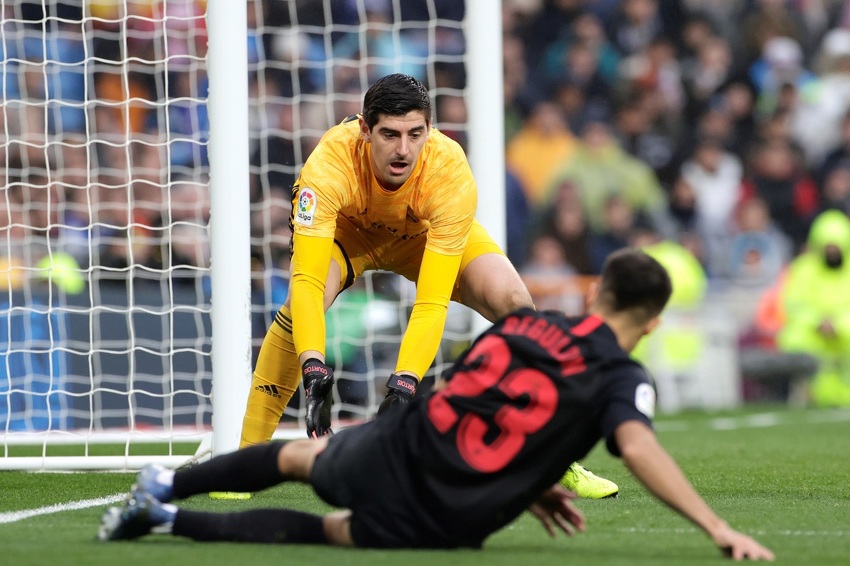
401	389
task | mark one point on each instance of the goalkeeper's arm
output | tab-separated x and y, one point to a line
425	328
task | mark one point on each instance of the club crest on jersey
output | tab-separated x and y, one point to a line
645	399
306	206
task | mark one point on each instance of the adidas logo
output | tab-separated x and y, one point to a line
268	390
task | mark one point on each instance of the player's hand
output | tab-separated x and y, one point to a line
318	385
739	546
554	507
400	391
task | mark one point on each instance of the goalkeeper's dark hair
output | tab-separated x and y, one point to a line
633	281
395	95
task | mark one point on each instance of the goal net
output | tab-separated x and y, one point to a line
105	293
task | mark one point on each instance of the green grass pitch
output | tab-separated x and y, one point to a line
779	474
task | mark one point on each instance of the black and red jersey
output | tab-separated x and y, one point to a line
531	396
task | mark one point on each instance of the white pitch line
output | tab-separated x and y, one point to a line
758	420
14	516
784	532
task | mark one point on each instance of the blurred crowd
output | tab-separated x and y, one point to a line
719	126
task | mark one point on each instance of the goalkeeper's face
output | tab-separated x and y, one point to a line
396	143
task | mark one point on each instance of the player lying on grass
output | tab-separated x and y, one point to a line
533	393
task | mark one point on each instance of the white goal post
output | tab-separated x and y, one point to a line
145	149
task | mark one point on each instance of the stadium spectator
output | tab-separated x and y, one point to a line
542	145
572	100
760	22
816	307
564	221
551	281
838	153
376	474
683	205
188	122
383	190
585	30
656	70
547	25
600	168
380	50
619	225
777	175
836	188
736	100
711	67
779	70
649	133
580	64
635	25
816	124
758	251
715	175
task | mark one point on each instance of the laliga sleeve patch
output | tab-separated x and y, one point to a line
306	206
645	399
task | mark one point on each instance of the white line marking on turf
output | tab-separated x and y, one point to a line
13	516
751	421
785	532
760	420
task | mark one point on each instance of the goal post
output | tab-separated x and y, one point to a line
145	205
229	220
486	117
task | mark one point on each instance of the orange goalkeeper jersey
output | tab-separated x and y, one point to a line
439	199
437	202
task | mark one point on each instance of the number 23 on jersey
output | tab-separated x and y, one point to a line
513	422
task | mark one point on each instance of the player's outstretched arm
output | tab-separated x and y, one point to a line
657	470
555	507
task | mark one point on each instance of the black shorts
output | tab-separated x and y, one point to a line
366	469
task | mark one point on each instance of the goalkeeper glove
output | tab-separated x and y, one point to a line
318	385
401	388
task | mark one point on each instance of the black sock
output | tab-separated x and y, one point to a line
250	469
258	525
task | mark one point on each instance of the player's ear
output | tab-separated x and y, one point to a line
364	130
592	294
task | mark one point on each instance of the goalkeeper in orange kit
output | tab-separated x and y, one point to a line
383	190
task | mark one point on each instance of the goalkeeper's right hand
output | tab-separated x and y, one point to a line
318	385
400	391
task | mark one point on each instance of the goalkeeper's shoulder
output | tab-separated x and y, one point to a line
446	149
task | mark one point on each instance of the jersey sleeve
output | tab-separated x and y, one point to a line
321	191
419	345
310	263
631	397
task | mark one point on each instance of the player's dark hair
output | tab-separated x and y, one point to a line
632	280
395	95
